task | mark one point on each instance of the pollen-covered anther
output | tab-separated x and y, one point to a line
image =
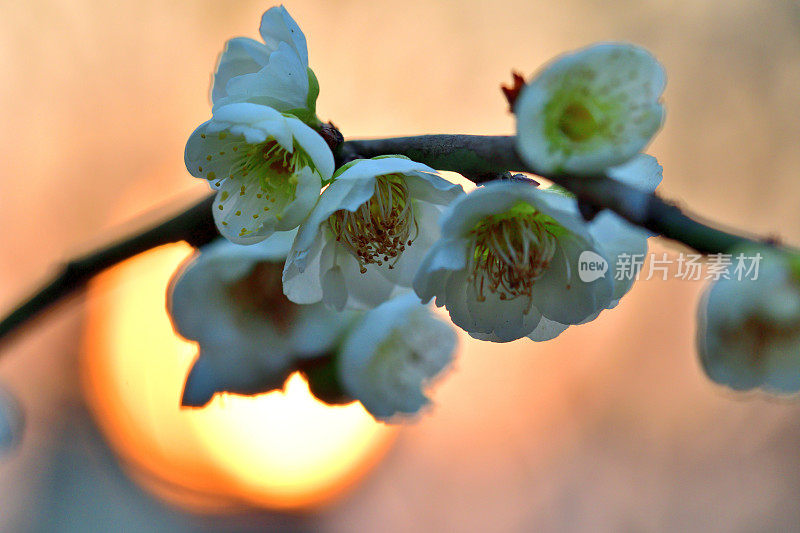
511	253
381	228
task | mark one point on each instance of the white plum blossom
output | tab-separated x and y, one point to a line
363	241
508	257
392	354
590	110
267	168
749	328
228	298
506	266
617	238
274	73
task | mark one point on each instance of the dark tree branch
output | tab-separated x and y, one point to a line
195	226
481	158
476	157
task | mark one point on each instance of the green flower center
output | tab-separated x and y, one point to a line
269	164
577	122
578	116
511	251
273	165
381	228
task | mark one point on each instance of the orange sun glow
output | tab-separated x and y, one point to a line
281	450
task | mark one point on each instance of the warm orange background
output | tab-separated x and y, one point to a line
612	426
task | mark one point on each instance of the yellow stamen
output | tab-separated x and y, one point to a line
512	251
380	229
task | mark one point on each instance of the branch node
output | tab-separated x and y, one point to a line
518	178
332	135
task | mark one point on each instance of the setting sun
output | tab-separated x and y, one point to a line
279	450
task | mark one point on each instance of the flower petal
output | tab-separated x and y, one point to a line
306	195
12	421
380	166
459	305
505	320
301	274
547	330
348	195
277	27
314	145
207	155
232	261
391	356
616	237
318	329
245	113
611	90
334	293
432	188
642	171
200	385
561	295
366	290
500	196
240	56
243	216
281	84
445	256
403	271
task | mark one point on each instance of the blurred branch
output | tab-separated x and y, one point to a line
195	226
482	158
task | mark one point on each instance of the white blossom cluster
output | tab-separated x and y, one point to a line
228	298
333	266
316	267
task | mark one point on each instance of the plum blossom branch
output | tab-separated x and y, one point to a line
477	157
482	158
195	226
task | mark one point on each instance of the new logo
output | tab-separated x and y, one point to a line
591	266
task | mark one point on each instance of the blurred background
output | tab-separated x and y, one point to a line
612	427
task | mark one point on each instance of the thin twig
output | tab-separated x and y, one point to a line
195	226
